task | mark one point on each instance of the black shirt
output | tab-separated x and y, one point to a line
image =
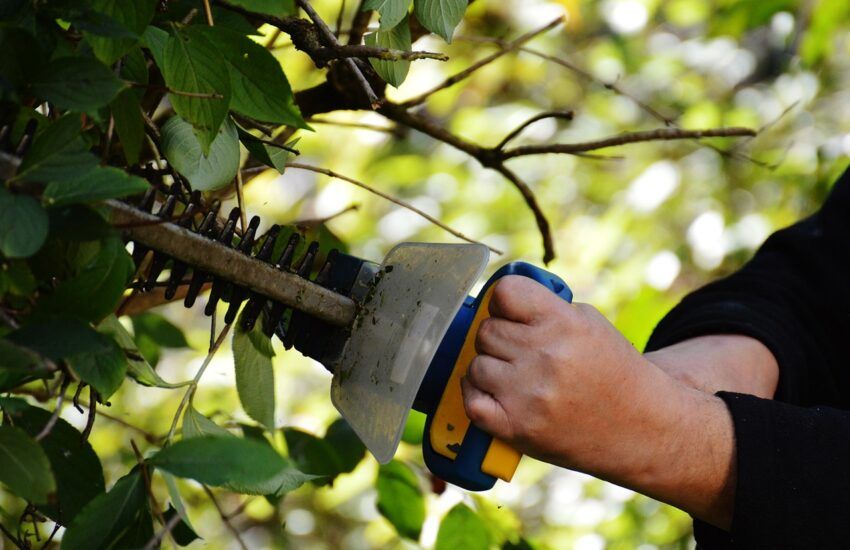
793	453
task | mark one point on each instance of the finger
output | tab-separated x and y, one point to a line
501	338
519	299
489	374
485	411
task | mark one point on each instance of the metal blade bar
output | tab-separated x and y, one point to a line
231	265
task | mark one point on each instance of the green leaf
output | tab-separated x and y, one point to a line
24	467
137	366
347	445
129	124
205	172
68	337
193	64
133	15
397	38
400	498
23	225
183	534
258	84
392	11
99	184
313	455
76	83
154	39
270	155
252	356
104	520
440	16
95	289
140	530
197	425
244	465
270	7
176	499
18	363
153	331
76	467
414	428
462	528
102	368
58	153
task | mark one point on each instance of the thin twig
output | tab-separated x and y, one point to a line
143	467
562	115
457	77
12	538
55	530
225	518
339	15
373	99
66	380
208	13
312	222
193	386
157	539
363	51
390	198
661	134
360	125
92	413
240	199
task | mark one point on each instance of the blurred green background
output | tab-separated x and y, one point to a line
633	233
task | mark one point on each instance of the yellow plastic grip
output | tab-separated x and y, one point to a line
450	423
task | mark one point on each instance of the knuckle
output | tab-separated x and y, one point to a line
486	331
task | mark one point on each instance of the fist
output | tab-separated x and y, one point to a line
555	380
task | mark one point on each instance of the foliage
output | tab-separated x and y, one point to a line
104	99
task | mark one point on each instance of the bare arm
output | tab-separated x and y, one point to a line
720	363
559	383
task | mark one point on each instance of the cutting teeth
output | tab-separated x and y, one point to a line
256	304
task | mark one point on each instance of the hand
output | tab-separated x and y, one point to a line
558	382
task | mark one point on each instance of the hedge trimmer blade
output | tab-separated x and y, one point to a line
397	331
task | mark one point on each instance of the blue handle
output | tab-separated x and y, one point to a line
465	470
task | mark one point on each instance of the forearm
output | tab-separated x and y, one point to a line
723	362
675	444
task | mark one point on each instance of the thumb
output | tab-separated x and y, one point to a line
485	411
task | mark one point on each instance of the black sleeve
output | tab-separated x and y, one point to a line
793	454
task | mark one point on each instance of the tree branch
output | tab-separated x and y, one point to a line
329	36
457	77
224	517
661	134
390	198
563	115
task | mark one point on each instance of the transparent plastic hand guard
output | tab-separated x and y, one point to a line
418	292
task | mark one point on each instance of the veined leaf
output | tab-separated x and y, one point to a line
153	331
102	368
197	425
129	124
58	153
137	366
440	16
205	172
397	38
23	225
258	84
244	465
95	289
76	83
193	64
270	7
392	12
154	39
99	184
252	355
76	467
24	467
462	528
104	520
133	15
400	498
270	155
183	533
